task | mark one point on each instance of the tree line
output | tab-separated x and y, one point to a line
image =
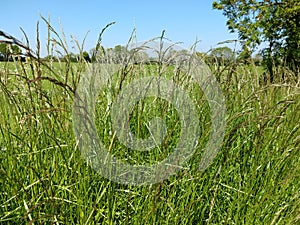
219	55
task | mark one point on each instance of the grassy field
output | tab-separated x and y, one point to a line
253	180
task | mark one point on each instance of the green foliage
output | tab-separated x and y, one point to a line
8	50
222	54
274	22
86	56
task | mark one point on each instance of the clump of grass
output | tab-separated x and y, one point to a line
44	179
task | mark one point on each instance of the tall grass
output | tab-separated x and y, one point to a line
253	180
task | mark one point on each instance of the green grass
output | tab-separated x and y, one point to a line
253	180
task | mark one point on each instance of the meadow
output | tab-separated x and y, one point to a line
44	179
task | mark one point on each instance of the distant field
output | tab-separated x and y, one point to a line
43	179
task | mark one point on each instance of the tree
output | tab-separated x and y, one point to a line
222	54
119	53
70	57
86	56
109	55
8	50
275	22
3	51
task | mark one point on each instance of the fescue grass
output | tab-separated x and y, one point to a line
253	180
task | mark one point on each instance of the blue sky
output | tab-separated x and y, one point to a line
183	21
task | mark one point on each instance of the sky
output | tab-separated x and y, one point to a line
183	21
